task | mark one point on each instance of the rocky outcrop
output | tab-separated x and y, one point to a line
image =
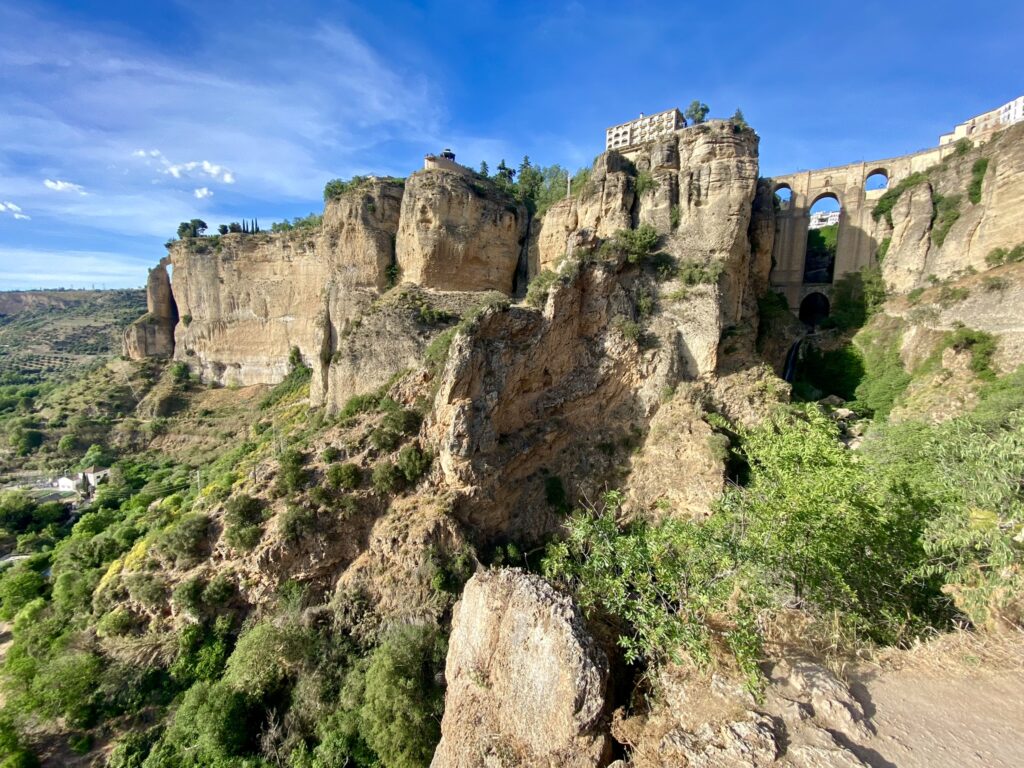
526	683
247	300
807	719
152	335
459	232
696	187
923	247
519	390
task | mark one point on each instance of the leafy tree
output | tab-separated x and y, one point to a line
193	228
739	119
484	169
697	112
223	229
402	701
19	586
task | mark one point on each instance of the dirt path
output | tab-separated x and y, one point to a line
942	719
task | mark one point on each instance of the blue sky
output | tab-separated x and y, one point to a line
120	119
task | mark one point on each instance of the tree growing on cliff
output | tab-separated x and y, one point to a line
193	228
739	119
697	112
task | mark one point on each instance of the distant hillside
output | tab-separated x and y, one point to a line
50	332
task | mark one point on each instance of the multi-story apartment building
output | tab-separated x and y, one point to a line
645	128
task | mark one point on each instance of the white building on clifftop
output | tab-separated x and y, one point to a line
644	128
981	127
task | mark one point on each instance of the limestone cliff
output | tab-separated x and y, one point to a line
937	231
152	335
246	300
458	233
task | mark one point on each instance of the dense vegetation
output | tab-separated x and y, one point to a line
914	532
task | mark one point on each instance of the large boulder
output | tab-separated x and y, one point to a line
526	683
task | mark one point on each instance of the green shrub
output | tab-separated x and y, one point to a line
220	589
635	244
947	211
836	372
335	188
857	296
115	623
19	586
883	249
293	384
211	727
329	454
538	289
660	584
977	178
645	183
188	595
383	439
263	657
675	216
994	284
630	329
982	346
346	476
150	589
131	750
185	541
386	478
293	475
950	295
413	463
403	421
914	296
243	522
296	522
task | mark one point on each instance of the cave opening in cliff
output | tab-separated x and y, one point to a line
822	239
814	308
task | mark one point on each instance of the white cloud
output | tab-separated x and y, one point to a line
63	186
15	210
202	193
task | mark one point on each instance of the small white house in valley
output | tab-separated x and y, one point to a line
94	475
67	484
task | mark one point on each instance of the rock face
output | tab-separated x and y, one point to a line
695	186
245	301
807	719
526	684
458	233
153	334
916	252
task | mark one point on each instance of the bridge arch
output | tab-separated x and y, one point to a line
783	195
822	238
876	179
814	308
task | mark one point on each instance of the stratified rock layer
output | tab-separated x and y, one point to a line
526	683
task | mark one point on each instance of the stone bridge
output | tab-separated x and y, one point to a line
858	236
